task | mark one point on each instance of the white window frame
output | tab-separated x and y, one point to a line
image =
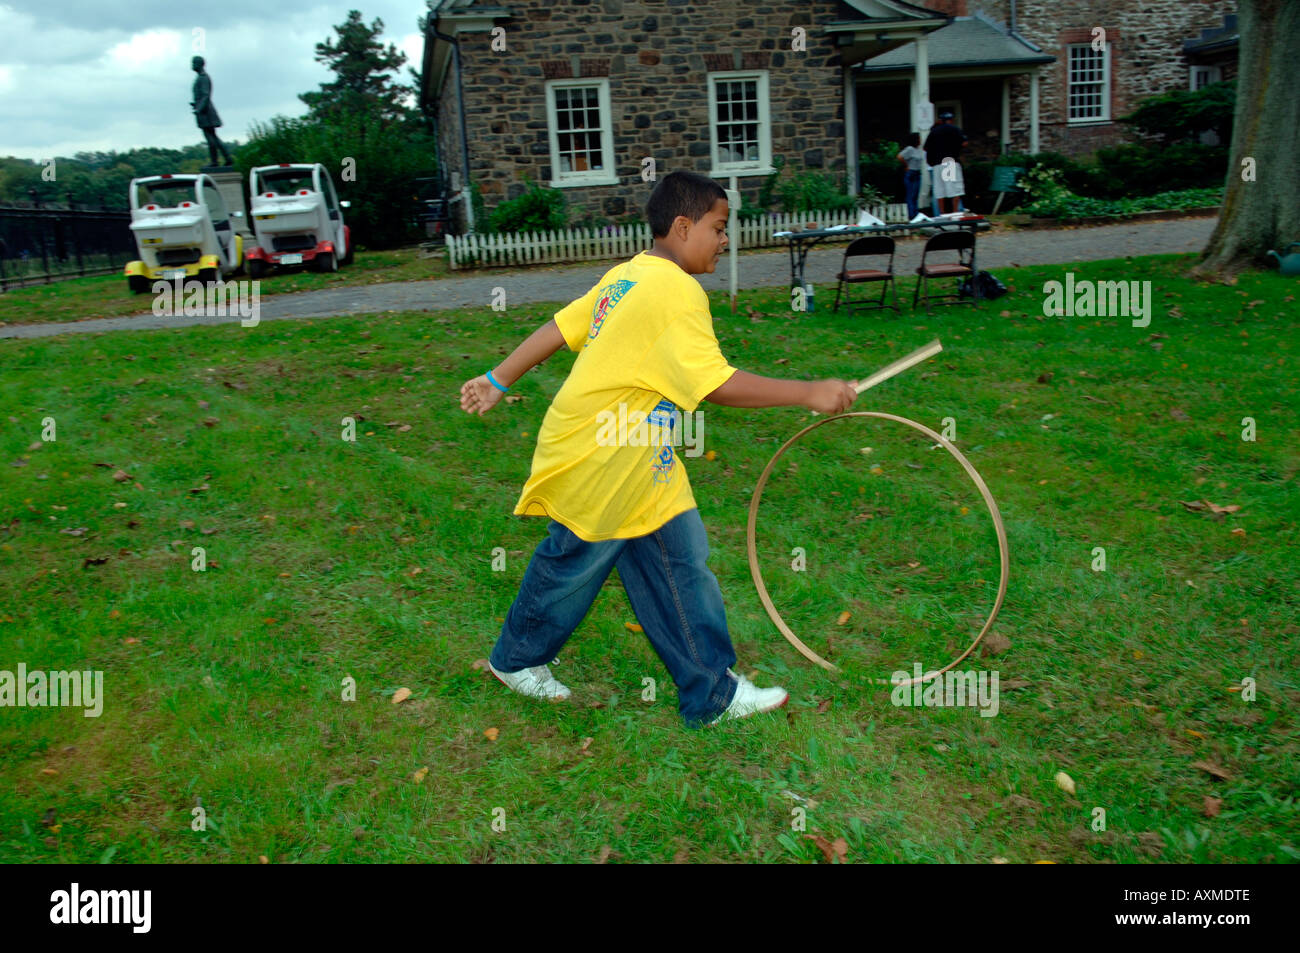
762	165
1212	74
1105	85
606	176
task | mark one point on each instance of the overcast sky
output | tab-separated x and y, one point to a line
90	75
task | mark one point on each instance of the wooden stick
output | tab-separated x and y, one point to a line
900	365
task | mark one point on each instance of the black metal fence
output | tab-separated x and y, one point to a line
41	245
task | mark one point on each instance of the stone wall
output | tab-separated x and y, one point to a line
1146	40
656	55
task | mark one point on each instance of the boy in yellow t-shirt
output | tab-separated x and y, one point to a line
607	472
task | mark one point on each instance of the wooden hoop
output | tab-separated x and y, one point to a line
750	534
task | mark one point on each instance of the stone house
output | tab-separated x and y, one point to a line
580	95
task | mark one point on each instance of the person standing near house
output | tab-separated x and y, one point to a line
912	159
943	154
645	348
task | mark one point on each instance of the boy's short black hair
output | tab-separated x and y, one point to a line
681	193
913	138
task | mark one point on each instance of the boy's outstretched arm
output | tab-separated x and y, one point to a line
479	396
743	389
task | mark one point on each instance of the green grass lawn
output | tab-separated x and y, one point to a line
372	560
107	296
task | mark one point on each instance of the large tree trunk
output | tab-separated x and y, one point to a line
1265	213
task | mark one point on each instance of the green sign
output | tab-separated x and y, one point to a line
1004	178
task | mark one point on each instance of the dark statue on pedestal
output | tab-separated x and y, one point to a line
205	114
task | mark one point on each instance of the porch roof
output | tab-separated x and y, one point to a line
965	42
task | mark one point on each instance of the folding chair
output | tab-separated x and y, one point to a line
868	246
962	242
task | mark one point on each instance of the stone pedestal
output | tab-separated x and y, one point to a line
231	186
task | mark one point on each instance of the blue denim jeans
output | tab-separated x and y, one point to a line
912	185
674	594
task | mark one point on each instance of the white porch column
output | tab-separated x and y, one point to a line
921	94
1033	112
851	129
1006	113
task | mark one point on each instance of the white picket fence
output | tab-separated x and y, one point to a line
572	244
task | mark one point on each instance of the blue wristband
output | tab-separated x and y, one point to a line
493	381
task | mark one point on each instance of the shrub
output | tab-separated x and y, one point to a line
881	170
1131	170
538	209
1181	115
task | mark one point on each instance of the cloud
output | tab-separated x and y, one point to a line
77	75
148	52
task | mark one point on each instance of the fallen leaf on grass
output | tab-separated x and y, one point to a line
1214	509
491	734
187	524
836	851
514	398
419	776
1046	377
1210	768
1178	414
633	627
480	664
1238	532
93	561
995	644
604	854
586	743
401	695
1212	806
844	618
823	706
1064	782
711	455
78	531
121	476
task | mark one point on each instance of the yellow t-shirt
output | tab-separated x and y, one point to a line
608	460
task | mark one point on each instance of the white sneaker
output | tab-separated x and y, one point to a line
535	682
750	699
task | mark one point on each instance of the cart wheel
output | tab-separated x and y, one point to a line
207	276
325	261
256	268
139	284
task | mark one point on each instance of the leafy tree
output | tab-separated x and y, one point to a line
372	161
361	64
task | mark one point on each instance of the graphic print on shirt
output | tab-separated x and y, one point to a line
609	296
665	460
